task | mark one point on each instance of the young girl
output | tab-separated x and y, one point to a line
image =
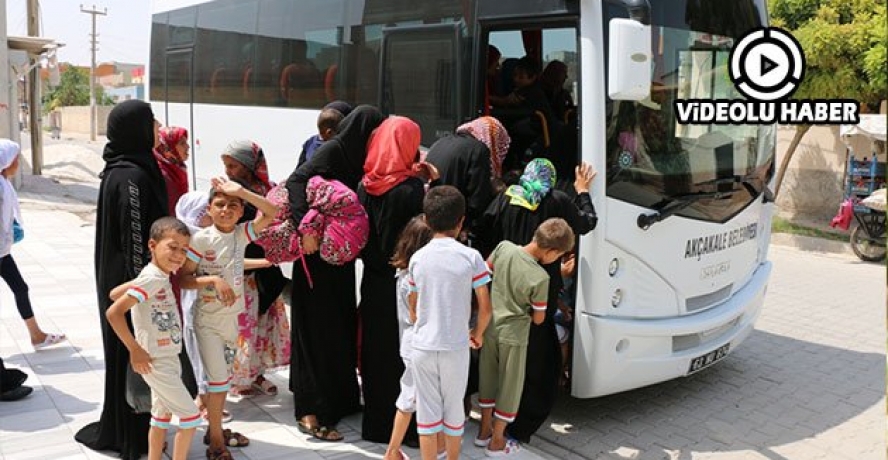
10	216
414	236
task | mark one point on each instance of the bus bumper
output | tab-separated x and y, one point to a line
617	354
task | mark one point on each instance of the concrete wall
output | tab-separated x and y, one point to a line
75	119
814	184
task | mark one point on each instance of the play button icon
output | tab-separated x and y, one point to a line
767	64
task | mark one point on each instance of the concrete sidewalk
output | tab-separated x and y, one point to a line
56	259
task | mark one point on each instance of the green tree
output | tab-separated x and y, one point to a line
845	44
73	89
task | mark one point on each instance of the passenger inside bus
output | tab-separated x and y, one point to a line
552	81
526	114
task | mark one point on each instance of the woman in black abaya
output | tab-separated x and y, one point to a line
323	317
392	194
132	195
514	215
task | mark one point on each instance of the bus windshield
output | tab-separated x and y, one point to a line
653	161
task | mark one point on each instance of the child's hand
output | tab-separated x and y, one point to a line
228	187
140	360
309	244
567	265
223	291
475	341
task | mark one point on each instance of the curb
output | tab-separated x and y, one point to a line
812	244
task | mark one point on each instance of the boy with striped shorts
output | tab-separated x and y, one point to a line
519	295
442	276
215	267
156	340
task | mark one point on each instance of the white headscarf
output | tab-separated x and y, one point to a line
9	205
191	207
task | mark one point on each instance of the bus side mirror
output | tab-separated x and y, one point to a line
629	52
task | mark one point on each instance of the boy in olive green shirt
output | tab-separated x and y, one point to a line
519	295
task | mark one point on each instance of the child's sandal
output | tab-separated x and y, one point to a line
232	439
221	454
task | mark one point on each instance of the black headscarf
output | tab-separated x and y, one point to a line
354	133
131	140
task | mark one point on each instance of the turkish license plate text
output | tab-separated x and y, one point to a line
702	362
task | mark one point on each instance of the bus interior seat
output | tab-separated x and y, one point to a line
330	82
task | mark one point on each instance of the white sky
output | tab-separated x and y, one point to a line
124	34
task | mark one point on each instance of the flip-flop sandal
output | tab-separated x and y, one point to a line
221	454
50	340
243	392
232	439
306	428
328	434
266	387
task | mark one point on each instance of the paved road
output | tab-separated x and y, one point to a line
809	383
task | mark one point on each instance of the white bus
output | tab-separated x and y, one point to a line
673	278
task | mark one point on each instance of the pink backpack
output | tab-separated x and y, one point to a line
280	239
337	219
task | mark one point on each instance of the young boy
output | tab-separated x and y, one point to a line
519	282
215	267
154	349
442	276
328	123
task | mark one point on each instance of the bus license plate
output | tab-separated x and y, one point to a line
702	362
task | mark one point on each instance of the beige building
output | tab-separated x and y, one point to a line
814	185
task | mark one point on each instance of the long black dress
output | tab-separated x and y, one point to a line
323	318
381	365
505	221
132	196
464	162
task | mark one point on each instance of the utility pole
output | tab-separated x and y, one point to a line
34	95
92	70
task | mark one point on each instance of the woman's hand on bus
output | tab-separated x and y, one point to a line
309	244
585	173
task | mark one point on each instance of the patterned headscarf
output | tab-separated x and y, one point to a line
249	154
169	137
493	134
538	179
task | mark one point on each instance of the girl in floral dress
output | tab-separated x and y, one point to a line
264	331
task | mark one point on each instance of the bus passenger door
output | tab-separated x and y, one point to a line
420	77
179	96
542	122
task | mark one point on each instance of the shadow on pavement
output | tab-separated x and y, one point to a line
772	391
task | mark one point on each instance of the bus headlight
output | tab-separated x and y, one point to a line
617	298
613	267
